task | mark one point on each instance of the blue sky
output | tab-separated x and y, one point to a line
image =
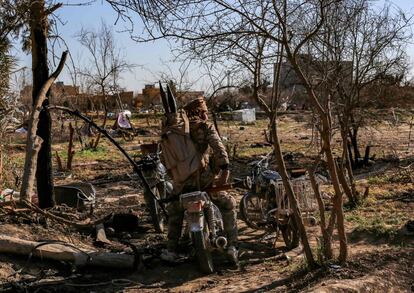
150	58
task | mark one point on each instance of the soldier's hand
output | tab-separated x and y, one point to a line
223	177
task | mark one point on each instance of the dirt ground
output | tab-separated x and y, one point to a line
381	252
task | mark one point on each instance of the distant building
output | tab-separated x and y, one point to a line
151	96
113	102
67	95
60	94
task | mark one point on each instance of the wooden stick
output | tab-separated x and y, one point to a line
58	161
71	152
81	225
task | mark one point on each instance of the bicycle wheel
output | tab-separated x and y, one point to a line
156	213
253	212
204	258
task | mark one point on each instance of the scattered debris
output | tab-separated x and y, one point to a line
21	130
260	145
123	120
335	267
245	115
78	195
100	235
57	250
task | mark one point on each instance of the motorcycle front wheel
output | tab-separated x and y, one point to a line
252	211
156	213
204	258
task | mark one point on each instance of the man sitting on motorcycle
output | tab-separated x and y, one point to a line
205	138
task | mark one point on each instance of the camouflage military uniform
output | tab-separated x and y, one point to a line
204	137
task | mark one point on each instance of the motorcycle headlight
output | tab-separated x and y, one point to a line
195	206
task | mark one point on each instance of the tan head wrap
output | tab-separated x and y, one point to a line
196	105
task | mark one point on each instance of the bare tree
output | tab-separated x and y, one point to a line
105	65
29	19
39	28
358	46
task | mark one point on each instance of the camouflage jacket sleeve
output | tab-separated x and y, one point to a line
221	157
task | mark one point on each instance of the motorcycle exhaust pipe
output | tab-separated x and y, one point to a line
221	242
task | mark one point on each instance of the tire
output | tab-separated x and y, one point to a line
204	258
156	213
290	234
252	211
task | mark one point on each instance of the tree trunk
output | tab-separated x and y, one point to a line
289	190
351	159
39	31
346	165
338	200
353	135
34	141
366	155
344	184
32	150
1	165
327	237
60	252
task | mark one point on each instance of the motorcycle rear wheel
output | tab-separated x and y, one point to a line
204	258
290	234
156	213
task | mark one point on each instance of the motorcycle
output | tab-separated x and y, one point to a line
156	175
265	206
204	227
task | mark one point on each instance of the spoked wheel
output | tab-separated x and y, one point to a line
253	211
290	233
156	213
203	254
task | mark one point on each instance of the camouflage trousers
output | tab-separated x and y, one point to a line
227	206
